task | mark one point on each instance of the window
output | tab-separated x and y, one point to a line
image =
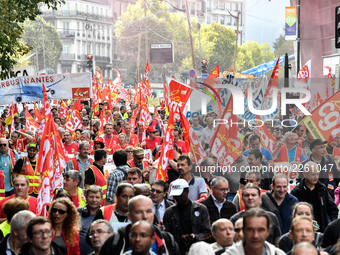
66	27
222	20
66	9
66	49
76	8
78	27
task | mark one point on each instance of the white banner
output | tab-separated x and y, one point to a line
58	86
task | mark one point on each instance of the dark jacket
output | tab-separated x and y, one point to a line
26	249
282	212
3	246
329	174
329	211
199	221
228	209
167	203
119	243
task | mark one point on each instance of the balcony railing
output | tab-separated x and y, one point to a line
67	56
73	13
68	34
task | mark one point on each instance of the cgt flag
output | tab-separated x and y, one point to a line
225	143
31	124
52	159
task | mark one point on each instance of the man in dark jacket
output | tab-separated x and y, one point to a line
279	201
187	221
311	190
140	208
329	174
217	204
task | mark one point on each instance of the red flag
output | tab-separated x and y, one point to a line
75	116
132	120
320	101
95	92
225	143
103	122
14	112
167	150
179	95
327	93
197	152
146	79
31	124
37	113
63	109
315	102
186	130
166	96
273	81
213	76
45	112
159	121
2	130
52	160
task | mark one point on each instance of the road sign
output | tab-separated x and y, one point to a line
204	76
161	53
192	73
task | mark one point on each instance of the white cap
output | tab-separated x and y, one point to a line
178	186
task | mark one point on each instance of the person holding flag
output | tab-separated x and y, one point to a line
20	144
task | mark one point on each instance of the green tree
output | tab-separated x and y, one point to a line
281	46
34	31
251	54
13	13
155	22
218	44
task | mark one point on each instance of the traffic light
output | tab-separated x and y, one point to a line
204	66
337	27
89	62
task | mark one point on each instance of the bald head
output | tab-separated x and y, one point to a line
304	248
223	232
140	208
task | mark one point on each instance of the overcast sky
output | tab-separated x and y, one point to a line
264	20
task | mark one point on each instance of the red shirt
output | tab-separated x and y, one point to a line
182	145
20	145
32	200
71	148
151	144
110	142
117	147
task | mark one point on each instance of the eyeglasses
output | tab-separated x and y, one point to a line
157	191
129	151
60	211
40	233
98	231
237	230
140	158
3	144
223	190
152	132
96	143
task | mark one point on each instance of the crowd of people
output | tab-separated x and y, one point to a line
196	210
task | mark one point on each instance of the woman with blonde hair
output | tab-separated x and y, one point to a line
64	218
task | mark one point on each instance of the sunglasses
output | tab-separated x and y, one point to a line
152	132
154	190
60	211
129	151
140	158
3	144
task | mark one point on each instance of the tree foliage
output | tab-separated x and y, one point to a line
251	54
281	46
13	14
52	45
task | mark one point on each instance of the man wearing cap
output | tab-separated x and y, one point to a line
110	140
187	221
26	166
98	143
81	162
152	141
8	159
329	174
138	159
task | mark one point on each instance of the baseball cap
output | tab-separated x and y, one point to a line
178	186
32	145
151	129
317	142
99	139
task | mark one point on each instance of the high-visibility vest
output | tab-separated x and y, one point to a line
75	163
283	157
107	211
240	202
5	228
81	197
99	179
33	176
2	185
